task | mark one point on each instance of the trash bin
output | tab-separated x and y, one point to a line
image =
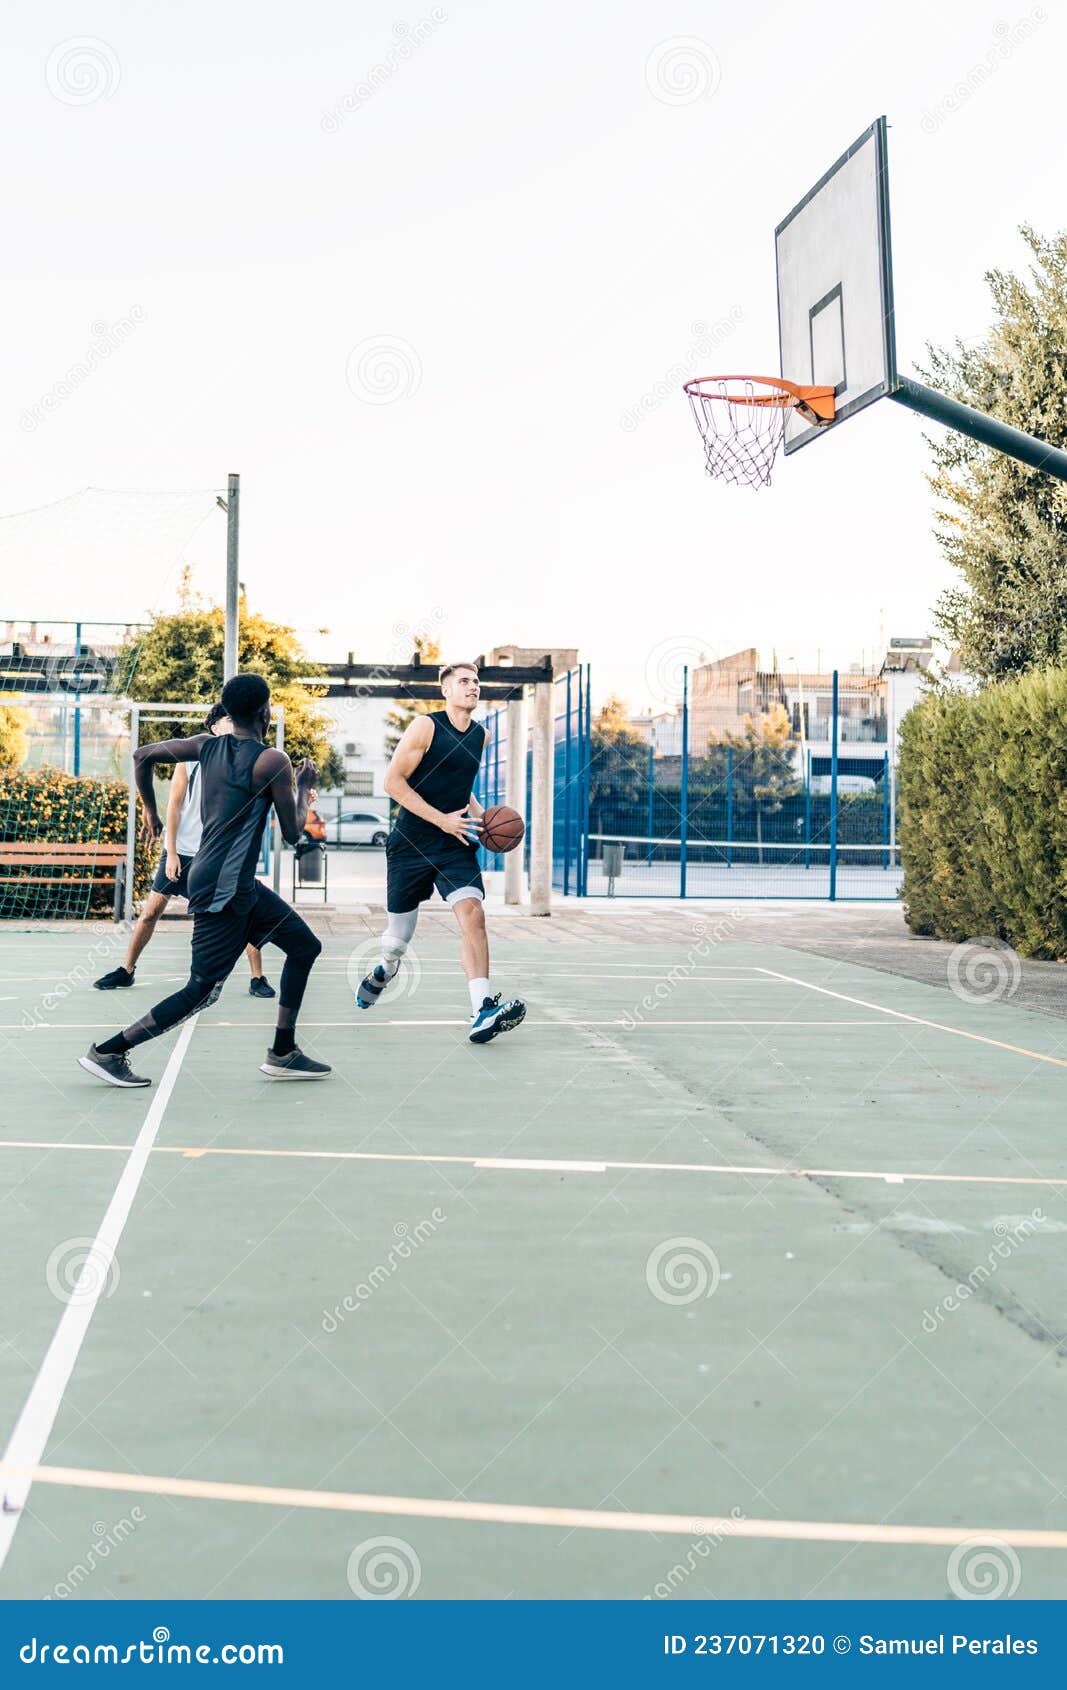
613	855
309	866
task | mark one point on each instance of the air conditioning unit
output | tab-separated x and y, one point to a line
353	749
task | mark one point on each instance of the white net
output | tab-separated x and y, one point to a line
741	423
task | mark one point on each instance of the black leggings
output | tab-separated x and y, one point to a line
218	940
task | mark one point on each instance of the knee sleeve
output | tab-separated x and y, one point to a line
398	935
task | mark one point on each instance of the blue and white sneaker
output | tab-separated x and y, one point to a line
495	1017
371	989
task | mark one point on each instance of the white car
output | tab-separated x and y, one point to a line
357	827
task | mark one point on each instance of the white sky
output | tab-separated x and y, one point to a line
516	206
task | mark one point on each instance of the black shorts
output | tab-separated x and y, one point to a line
412	872
220	936
172	888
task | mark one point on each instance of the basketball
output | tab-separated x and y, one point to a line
502	828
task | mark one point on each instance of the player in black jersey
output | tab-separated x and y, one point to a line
434	844
240	778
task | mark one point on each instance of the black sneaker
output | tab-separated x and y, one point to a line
114	1069
295	1066
495	1017
260	987
109	982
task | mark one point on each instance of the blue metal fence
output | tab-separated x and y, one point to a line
750	818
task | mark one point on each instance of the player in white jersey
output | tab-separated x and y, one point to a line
181	843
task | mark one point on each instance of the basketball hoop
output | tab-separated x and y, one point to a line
742	419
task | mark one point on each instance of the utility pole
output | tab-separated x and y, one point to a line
232	506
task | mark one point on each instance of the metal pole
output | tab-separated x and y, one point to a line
276	853
807	812
684	859
651	795
541	805
567	796
833	797
515	793
77	706
131	815
988	430
729	806
587	771
885	812
233	517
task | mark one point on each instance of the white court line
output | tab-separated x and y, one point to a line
648	1023
696	1523
33	1428
920	1021
514	1163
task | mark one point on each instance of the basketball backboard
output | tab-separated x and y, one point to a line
835	286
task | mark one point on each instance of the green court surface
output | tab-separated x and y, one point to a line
736	1271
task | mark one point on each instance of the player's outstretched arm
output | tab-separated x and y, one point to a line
145	758
414	743
274	769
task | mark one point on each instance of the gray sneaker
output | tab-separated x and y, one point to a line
115	1070
295	1066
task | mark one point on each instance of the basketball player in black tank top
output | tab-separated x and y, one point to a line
240	778
434	844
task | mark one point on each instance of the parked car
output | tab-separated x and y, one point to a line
358	827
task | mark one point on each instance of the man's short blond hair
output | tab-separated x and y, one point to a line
450	669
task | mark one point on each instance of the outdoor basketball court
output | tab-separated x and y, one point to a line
658	1296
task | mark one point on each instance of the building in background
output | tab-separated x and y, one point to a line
872	702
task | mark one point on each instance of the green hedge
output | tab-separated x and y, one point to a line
46	805
983	814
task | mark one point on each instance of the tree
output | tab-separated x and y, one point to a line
405	710
179	658
1003	526
618	764
14	738
763	764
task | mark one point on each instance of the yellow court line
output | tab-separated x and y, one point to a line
516	1164
695	1524
919	1020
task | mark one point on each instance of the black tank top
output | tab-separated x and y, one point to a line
224	869
444	778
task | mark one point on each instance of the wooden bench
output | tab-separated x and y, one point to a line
107	861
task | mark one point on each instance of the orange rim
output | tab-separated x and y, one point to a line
815	404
